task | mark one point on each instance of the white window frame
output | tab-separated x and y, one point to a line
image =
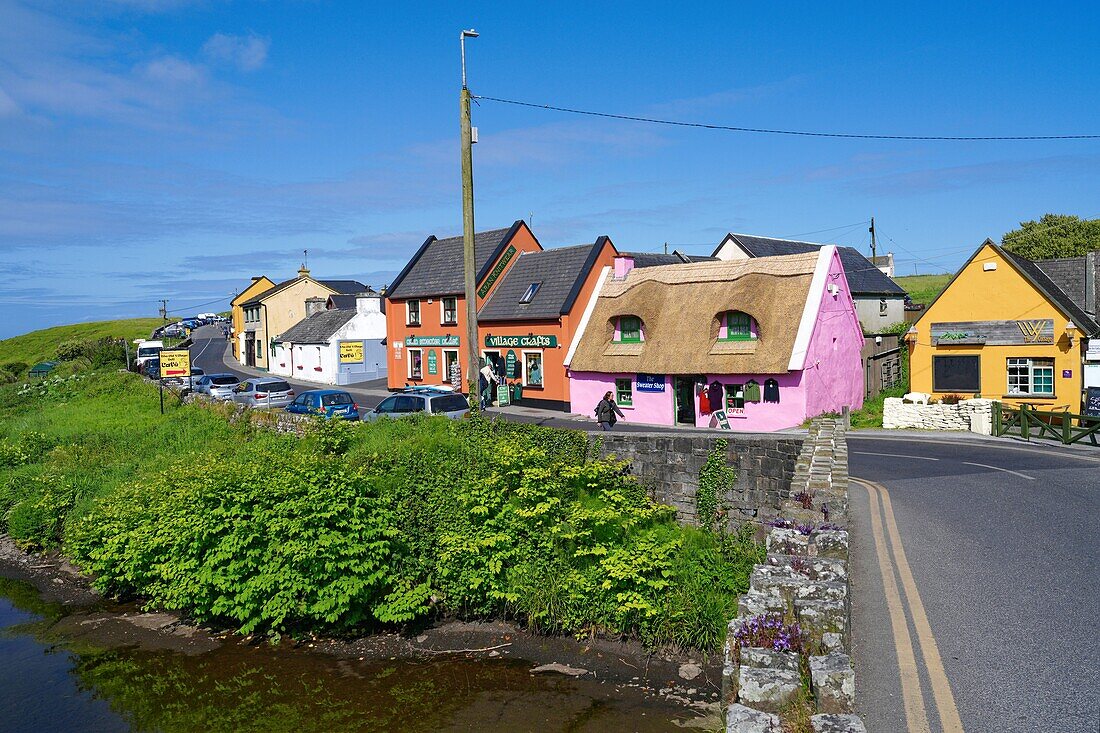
1031	365
408	313
447	364
443	311
542	365
409	369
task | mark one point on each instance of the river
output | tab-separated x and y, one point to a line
56	677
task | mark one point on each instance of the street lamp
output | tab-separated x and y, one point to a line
468	258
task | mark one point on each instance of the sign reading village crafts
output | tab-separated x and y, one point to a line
175	363
522	342
994	333
448	340
351	352
650	383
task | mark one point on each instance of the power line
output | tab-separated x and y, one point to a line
768	131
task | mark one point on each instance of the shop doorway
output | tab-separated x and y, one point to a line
684	389
494	358
250	350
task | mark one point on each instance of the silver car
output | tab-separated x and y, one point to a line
448	404
218	386
264	392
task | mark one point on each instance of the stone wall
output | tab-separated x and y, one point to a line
968	415
803	581
669	466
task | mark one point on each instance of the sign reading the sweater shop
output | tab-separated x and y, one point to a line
994	333
501	264
351	352
650	383
521	342
448	340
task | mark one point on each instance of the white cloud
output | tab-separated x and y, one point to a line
247	53
173	70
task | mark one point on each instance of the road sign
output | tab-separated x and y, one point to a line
175	363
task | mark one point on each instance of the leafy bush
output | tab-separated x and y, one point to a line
102	352
15	367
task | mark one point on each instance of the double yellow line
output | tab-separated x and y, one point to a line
912	696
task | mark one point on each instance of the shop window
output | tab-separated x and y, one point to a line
630	330
449	307
416	363
735	396
738	326
529	294
1032	377
532	368
450	362
412	309
957	374
624	392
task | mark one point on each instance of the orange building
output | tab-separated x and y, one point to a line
530	305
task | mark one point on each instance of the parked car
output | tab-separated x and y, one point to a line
151	367
176	331
451	405
263	392
332	403
218	386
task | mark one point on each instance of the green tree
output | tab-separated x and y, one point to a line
1055	235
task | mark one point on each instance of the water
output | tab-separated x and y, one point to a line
50	681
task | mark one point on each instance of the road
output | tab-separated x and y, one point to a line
995	574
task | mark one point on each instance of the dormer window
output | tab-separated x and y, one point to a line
529	294
737	326
630	330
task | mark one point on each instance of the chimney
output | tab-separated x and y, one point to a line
623	265
303	271
368	303
314	305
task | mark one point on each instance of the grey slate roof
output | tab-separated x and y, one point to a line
347	300
1057	296
318	328
559	270
340	286
1068	273
654	259
863	277
436	269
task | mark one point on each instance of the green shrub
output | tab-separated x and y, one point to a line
36	522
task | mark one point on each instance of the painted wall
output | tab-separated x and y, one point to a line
321	362
397	328
658	408
833	371
873	318
259	285
282	310
1002	294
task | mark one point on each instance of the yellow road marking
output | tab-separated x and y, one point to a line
915	714
941	688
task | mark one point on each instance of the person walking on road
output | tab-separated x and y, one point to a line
606	411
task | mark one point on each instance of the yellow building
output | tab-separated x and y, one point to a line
274	310
1001	329
258	285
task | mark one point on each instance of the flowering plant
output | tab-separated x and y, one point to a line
769	631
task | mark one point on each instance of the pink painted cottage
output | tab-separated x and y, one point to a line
749	345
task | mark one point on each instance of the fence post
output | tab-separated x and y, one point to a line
997	419
1025	426
1065	428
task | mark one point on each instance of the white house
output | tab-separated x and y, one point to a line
335	346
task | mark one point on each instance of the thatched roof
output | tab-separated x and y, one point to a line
680	307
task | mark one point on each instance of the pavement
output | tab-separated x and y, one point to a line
975	591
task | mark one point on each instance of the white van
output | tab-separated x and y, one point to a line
147	350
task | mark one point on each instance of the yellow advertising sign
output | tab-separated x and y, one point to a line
351	352
175	363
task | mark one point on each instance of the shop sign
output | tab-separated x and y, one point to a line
448	340
721	419
511	365
175	363
351	352
433	362
1092	401
530	341
502	395
501	264
1067	374
650	383
994	333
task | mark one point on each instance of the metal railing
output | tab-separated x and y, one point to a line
1026	422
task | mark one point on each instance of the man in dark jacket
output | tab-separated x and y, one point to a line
606	411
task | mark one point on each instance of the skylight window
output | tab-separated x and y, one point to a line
530	292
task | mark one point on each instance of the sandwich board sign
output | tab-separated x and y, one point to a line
176	363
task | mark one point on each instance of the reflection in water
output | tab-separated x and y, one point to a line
241	688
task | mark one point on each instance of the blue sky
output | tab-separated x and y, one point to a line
166	148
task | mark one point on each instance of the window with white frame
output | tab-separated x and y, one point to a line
450	358
532	368
1032	377
416	363
412	310
449	311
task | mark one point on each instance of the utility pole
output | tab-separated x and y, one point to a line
873	242
164	309
468	259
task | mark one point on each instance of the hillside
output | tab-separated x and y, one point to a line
923	288
36	346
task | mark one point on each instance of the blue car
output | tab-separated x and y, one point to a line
332	403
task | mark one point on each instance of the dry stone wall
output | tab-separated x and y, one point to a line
802	587
968	415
